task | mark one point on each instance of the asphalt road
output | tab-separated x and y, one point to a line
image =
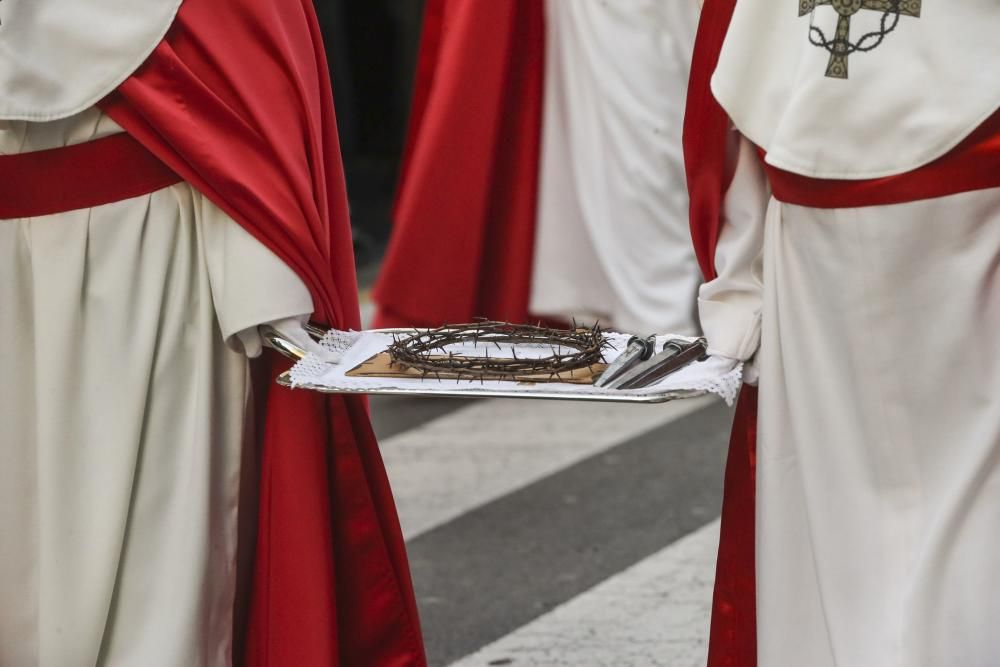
558	533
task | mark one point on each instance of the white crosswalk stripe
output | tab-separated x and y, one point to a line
650	615
481	452
653	612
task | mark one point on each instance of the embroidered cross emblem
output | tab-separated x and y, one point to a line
841	46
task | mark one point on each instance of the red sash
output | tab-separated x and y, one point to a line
81	176
972	165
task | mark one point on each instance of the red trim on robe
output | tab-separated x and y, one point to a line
80	176
237	101
463	241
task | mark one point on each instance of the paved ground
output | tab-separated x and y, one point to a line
555	533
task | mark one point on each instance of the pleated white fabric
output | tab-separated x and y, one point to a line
879	428
612	241
123	415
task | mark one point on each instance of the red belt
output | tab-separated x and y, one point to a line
972	165
84	175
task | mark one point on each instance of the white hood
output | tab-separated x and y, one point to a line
58	57
919	82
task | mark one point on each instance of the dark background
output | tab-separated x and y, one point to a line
371	46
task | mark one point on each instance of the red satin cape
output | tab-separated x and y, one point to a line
707	138
237	101
464	218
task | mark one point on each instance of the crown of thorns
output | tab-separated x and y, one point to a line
571	349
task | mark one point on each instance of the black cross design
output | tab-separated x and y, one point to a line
840	47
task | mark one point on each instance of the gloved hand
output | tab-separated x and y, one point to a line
751	372
291	328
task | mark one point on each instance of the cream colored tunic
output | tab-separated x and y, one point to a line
123	415
879	428
612	241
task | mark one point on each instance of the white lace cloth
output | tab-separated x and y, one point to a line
716	375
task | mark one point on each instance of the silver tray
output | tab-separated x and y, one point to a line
447	389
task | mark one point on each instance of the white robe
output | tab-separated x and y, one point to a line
878	459
612	240
124	414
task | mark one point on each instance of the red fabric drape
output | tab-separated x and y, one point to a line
706	135
237	101
423	82
733	640
465	211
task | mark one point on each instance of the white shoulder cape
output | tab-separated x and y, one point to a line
920	76
58	57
